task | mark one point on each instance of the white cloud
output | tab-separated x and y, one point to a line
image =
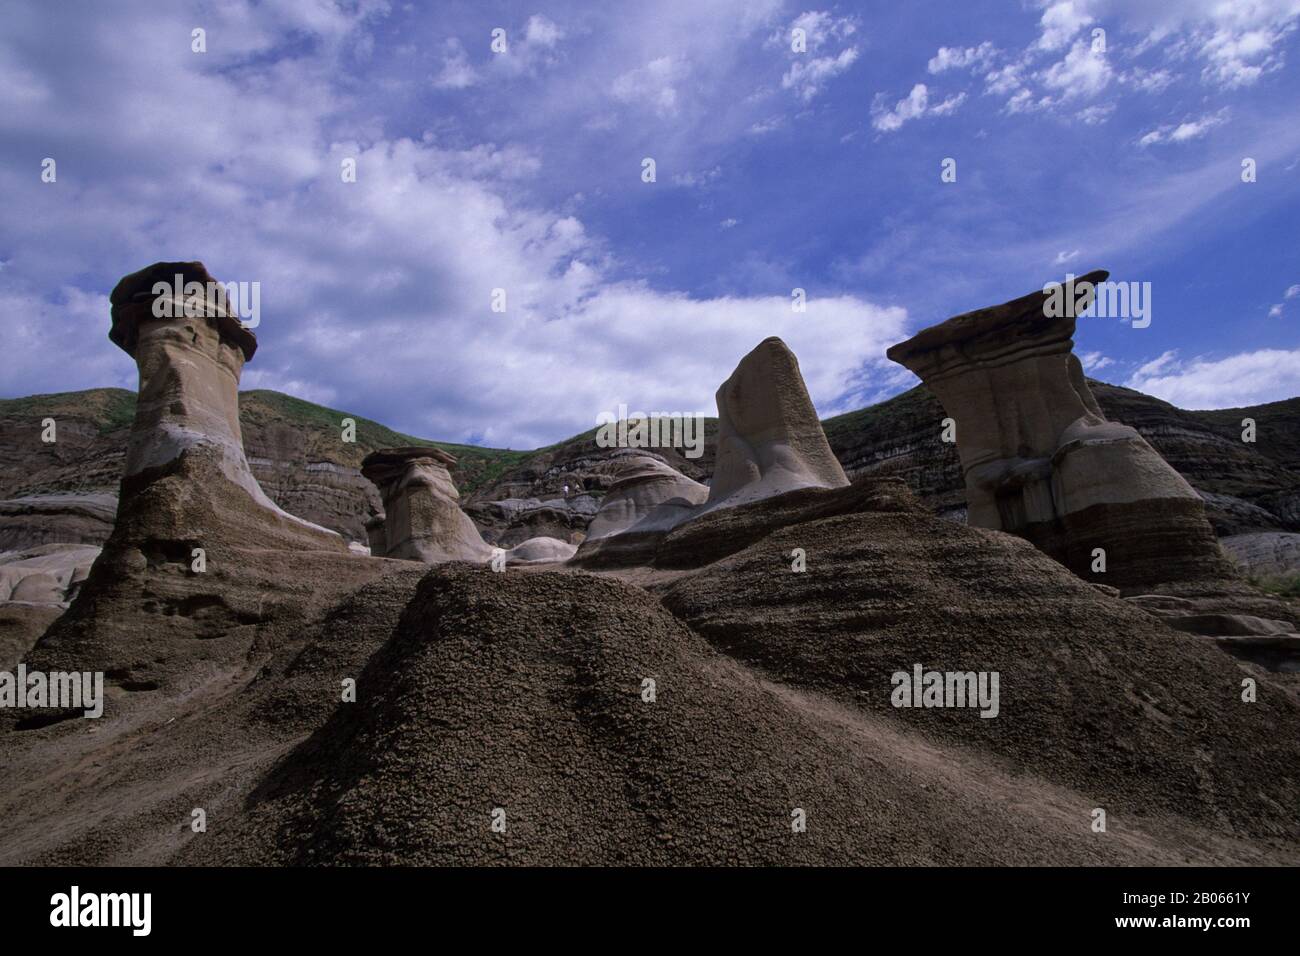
1081	73
950	58
704	177
820	28
913	106
1184	131
542	32
375	294
1063	257
808	78
456	73
1004	79
950	105
1096	115
808	72
910	107
653	86
1147	81
1155	366
1095	361
1275	312
1060	22
1247	378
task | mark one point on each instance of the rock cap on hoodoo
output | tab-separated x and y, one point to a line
133	297
992	331
386	464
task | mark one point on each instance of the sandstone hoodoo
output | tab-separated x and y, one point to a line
770	440
1040	459
423	520
190	358
422	516
197	556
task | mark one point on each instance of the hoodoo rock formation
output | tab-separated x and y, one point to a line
647	494
770	440
673	714
1040	459
197	555
188	404
422	516
423	520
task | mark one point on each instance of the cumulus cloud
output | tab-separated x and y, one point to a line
1095	115
653	85
1276	310
457	73
1247	378
810	69
527	51
1095	361
820	29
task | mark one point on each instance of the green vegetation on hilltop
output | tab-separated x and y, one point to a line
109	408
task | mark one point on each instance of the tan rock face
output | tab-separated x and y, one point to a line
770	440
423	520
1041	460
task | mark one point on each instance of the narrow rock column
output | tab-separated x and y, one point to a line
190	353
1040	459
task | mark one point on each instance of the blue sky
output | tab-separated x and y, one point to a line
775	169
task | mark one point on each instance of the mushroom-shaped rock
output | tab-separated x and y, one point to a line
190	351
1039	458
423	520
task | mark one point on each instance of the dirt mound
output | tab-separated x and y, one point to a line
522	694
1095	694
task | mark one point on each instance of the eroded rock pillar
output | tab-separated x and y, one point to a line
1040	459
